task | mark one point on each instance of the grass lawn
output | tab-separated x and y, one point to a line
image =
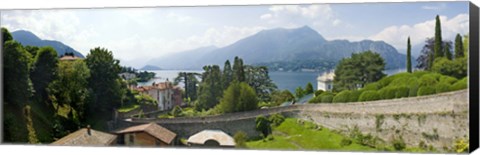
128	108
291	135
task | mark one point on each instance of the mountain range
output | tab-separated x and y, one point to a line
28	38
282	46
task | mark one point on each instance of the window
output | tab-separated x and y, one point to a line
131	138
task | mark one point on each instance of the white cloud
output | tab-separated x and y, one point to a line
398	34
319	16
59	25
178	17
441	6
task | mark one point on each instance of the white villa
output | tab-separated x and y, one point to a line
325	81
166	95
127	76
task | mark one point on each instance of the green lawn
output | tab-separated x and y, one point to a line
291	135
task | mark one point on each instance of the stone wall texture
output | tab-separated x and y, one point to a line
436	120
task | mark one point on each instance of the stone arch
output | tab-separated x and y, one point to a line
211	142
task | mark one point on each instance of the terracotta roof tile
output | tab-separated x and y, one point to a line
153	129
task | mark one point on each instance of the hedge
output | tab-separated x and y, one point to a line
402	92
355	95
327	98
442	87
342	96
369	95
318	92
428	80
461	84
387	93
426	90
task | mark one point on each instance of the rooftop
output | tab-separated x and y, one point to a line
81	137
326	76
69	58
221	137
153	129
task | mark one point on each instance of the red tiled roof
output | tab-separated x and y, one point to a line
67	57
153	129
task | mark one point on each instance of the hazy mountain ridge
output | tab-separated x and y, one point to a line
28	38
283	45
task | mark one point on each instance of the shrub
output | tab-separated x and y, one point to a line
387	93
308	88
299	93
461	84
402	91
317	99
456	68
345	142
263	125
327	98
372	86
318	92
413	90
428	80
176	111
442	87
369	95
342	96
276	119
240	138
426	90
399	144
419	74
354	95
461	145
448	80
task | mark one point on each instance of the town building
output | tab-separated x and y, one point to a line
325	81
127	76
87	137
69	58
211	138
165	93
150	134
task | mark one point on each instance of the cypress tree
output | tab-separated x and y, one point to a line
409	56
447	51
458	47
438	39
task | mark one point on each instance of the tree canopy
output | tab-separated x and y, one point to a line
358	70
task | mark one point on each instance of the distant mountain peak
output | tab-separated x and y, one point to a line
28	38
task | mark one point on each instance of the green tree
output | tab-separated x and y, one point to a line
438	39
32	50
210	90
70	87
409	56
466	42
16	67
238	71
278	97
263	125
447	46
358	70
190	81
238	97
299	93
44	71
227	76
459	51
6	36
309	88
104	82
259	80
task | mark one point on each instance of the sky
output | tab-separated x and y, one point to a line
136	35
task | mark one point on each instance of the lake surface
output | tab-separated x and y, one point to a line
283	80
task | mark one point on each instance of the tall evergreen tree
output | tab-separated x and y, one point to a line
409	56
227	74
210	90
447	46
44	71
459	51
238	71
6	36
438	39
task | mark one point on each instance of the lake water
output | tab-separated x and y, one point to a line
283	80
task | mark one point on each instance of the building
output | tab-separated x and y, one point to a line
127	76
166	95
211	138
87	137
325	81
69	58
150	134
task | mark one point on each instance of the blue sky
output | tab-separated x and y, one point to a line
138	34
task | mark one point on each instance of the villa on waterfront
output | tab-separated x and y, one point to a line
165	93
325	81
